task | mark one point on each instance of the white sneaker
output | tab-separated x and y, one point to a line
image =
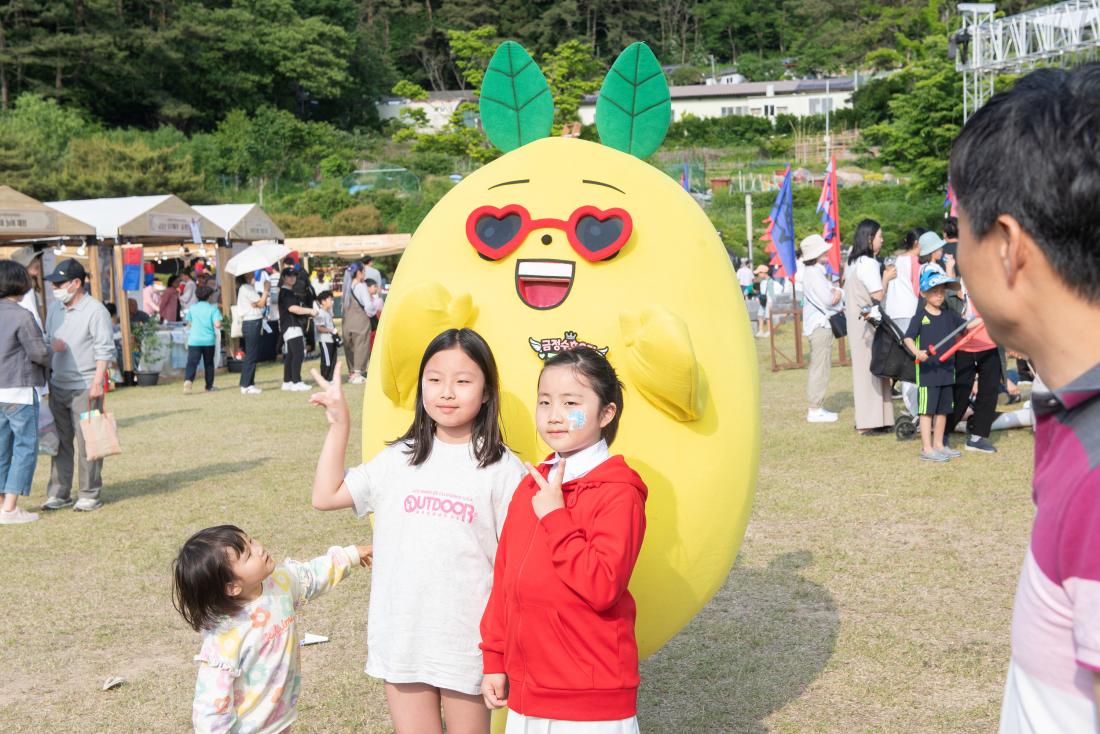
356	380
251	390
302	387
288	386
821	416
87	504
17	516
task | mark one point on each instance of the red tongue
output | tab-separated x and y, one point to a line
543	293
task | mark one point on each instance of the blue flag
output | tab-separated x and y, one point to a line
780	232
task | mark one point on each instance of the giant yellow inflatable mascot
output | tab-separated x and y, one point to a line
563	242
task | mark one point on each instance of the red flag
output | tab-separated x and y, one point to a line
828	206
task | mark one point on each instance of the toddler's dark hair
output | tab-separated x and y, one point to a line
324	296
200	574
599	373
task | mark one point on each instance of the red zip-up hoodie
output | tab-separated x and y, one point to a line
560	621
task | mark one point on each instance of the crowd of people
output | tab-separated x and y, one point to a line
876	299
54	372
298	310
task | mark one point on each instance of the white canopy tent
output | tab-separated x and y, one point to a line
350	246
241	222
153	220
142	219
23	219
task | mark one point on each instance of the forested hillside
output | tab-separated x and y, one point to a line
234	99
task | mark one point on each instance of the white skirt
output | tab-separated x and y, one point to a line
520	724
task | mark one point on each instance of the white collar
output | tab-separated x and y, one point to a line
582	462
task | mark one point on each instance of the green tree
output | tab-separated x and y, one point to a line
926	118
97	167
572	72
409	90
471	51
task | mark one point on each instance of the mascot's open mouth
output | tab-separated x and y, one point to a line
544	284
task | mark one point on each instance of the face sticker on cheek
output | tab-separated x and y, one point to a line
577	420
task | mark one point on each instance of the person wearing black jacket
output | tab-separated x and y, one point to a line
304	290
292	317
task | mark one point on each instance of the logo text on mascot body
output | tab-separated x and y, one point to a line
568	341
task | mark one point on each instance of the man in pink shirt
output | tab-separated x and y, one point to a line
1026	171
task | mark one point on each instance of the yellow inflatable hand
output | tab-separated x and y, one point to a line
421	313
659	361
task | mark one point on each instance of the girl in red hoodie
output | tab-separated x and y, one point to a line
558	632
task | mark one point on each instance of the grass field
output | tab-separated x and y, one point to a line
872	593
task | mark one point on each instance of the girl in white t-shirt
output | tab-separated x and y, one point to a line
439	495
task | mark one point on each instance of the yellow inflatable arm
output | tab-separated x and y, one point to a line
660	361
422	312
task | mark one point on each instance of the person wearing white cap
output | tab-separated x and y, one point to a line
933	257
821	300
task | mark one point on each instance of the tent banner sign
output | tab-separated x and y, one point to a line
170	225
258	228
14	221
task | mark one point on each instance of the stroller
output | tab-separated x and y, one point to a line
891	359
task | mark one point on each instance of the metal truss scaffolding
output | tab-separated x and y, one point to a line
991	45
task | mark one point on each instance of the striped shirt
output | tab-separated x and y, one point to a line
1056	616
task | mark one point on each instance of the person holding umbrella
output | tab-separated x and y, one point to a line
251	304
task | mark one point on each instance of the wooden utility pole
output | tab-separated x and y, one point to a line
122	307
95	274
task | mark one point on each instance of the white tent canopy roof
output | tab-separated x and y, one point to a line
165	217
241	222
351	245
24	218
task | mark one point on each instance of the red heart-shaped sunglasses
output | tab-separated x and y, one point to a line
595	234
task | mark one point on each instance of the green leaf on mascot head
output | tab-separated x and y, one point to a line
516	106
634	108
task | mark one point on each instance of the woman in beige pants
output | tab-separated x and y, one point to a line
356	328
821	299
864	284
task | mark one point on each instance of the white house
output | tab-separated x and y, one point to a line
725	76
439	106
800	97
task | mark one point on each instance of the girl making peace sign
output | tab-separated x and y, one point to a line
438	494
558	633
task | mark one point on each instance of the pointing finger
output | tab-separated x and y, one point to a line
321	381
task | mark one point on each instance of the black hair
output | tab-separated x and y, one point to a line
599	373
324	295
488	439
368	259
287	273
244	279
863	240
950	228
172	280
201	572
14	279
203	293
1033	152
369	282
912	237
112	309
